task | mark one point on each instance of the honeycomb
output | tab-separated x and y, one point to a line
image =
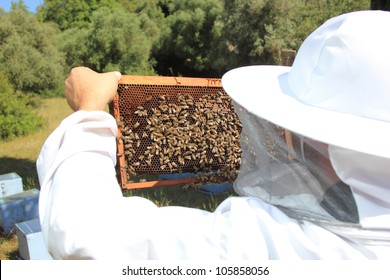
176	125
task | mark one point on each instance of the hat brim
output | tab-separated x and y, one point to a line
263	91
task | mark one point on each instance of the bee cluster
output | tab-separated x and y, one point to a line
181	133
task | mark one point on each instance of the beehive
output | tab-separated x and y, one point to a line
175	125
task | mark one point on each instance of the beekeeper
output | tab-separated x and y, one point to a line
315	180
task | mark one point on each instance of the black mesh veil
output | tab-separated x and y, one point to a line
291	172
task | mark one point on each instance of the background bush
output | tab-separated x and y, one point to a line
17	116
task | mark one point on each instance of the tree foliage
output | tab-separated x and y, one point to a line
28	54
16	115
72	13
245	39
203	38
380	5
273	25
189	36
151	18
112	41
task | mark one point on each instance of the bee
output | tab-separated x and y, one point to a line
163	108
171	110
126	130
136	125
167	159
120	124
141	113
131	170
156	112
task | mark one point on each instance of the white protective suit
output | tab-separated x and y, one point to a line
84	215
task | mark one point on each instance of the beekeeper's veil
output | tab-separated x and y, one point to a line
316	136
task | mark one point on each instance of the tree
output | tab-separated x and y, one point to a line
28	54
19	5
188	38
151	18
272	25
245	38
72	13
133	5
112	41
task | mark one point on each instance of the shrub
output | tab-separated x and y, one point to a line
17	117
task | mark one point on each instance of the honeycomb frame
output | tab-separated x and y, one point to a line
132	108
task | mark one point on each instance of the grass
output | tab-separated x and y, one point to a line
180	196
20	156
9	247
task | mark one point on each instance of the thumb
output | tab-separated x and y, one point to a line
117	74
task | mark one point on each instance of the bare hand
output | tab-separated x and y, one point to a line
88	90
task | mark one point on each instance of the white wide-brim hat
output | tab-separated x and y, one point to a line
336	92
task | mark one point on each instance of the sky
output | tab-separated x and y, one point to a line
31	4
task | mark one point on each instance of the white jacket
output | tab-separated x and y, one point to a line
84	215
